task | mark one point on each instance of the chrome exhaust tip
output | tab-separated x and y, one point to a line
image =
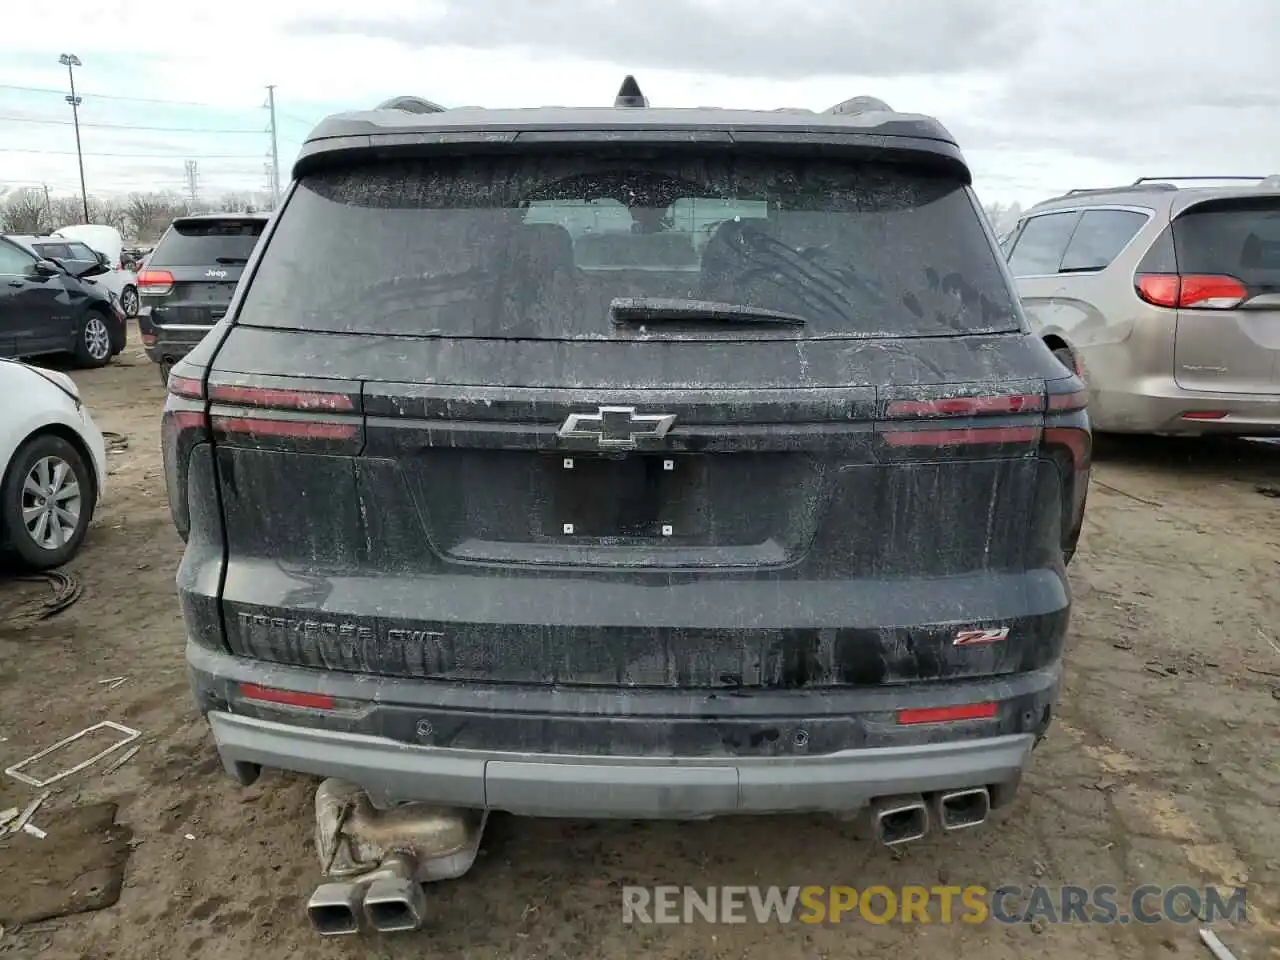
334	909
959	809
395	905
899	819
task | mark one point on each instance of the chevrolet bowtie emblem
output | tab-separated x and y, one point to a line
617	427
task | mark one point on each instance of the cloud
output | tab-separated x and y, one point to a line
783	39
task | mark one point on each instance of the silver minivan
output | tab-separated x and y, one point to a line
1165	298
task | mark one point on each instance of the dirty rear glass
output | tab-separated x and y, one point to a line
1239	237
538	246
198	243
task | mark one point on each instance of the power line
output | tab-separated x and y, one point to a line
127	126
134	156
105	96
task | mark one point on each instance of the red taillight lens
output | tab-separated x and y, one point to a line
298	403
282	399
1191	291
186	387
967	711
155	283
288	698
967	406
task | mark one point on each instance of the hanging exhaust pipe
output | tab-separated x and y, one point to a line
959	809
395	901
334	909
899	819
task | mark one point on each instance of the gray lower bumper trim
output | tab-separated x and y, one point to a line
626	787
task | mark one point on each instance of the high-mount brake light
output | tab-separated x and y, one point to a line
1191	291
155	283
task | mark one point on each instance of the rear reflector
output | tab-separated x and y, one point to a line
967	406
290	698
1204	415
281	399
290	429
961	436
968	711
1191	291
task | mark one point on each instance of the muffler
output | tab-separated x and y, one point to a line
899	819
959	809
334	909
376	861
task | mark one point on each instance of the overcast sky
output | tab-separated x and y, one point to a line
1042	96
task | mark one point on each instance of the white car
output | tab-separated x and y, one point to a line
53	462
108	242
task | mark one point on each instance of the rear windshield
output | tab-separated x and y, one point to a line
1236	237
198	243
538	246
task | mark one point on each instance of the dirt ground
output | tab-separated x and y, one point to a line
1163	765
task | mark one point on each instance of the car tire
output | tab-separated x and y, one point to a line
93	340
129	301
165	366
44	528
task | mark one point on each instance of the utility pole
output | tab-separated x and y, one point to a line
71	61
48	207
192	182
275	149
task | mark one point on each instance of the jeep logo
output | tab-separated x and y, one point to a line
219	274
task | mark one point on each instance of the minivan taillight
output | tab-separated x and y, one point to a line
155	283
1195	291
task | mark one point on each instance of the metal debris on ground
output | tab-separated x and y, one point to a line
1216	946
111	679
117	764
6	816
33	830
128	735
116	442
28	812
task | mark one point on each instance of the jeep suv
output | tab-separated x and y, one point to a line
188	281
630	462
1165	296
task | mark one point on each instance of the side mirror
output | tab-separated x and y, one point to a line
47	268
104	260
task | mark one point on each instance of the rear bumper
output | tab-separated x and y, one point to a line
559	753
171	344
1159	405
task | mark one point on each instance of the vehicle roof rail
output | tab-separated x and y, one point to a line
1199	177
629	94
411	105
1095	191
860	105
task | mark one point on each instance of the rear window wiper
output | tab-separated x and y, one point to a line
231	259
624	310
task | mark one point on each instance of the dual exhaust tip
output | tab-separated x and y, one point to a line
388	901
905	818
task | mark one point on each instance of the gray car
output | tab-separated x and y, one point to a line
1164	298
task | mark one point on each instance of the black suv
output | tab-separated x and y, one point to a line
630	462
189	279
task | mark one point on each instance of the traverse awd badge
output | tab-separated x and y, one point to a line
616	427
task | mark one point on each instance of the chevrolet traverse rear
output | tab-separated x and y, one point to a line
630	462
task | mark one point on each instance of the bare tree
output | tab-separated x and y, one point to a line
25	211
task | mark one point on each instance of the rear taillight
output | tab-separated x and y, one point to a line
155	283
1053	423
182	428
1191	291
273	413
